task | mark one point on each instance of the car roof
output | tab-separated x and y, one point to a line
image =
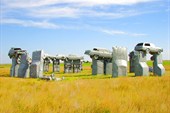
101	49
151	44
147	43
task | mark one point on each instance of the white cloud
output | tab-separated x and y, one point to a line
118	32
138	34
48	25
40	3
50	9
24	11
113	32
67	12
38	24
29	23
54	12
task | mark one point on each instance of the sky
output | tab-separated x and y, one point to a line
73	26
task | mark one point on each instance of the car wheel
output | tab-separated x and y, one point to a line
152	58
96	57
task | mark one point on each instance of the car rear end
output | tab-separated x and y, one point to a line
139	47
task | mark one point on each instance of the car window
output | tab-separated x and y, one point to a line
147	44
140	44
17	48
95	49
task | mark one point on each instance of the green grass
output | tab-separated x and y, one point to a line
165	63
85	74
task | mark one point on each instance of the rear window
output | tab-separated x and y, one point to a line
147	44
95	49
140	44
17	48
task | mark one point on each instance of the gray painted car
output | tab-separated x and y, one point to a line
74	57
148	47
99	52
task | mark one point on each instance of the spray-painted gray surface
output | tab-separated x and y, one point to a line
72	63
141	67
68	66
101	60
148	48
158	68
76	66
81	66
132	62
14	54
74	57
56	65
23	70
36	68
119	61
46	64
97	67
108	66
99	53
55	61
14	68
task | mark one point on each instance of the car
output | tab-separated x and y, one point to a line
99	52
12	52
148	48
74	57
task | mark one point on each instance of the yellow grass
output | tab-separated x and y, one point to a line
84	95
4	70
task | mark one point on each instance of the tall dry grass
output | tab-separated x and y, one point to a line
109	95
4	70
116	95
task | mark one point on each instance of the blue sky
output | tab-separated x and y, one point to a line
73	26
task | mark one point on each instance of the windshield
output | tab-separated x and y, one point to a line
140	44
95	49
147	44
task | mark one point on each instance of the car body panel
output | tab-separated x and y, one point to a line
148	46
100	52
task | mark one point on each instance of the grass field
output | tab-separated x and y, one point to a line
84	93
